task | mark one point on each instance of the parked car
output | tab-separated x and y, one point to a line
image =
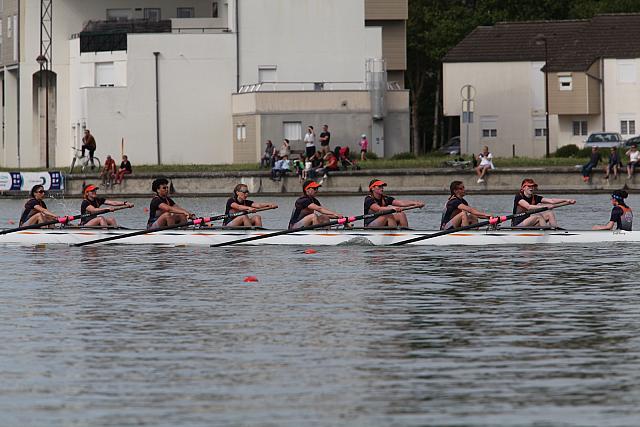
632	141
604	140
451	147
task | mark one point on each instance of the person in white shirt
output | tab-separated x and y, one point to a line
634	158
310	142
486	162
282	167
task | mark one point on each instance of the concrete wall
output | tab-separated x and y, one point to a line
622	100
317	40
508	91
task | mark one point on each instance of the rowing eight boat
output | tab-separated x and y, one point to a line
356	236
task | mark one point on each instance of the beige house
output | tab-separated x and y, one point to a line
498	74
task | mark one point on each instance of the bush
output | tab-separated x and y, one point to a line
403	156
570	150
371	155
586	152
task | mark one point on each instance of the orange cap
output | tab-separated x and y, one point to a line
312	184
90	187
377	183
528	182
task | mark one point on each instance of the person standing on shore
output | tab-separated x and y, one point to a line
310	142
621	214
325	139
89	144
364	146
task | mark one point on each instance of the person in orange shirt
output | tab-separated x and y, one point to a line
108	173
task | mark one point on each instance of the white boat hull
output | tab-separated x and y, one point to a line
70	236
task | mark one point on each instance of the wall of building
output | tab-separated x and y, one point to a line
316	40
622	99
195	118
510	92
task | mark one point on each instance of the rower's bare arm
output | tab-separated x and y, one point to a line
608	226
473	211
324	211
239	207
556	201
44	211
118	203
408	203
264	206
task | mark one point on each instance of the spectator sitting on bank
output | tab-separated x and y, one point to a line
285	149
125	169
486	162
634	158
364	146
265	161
614	164
593	162
342	153
299	167
317	162
281	168
109	171
330	165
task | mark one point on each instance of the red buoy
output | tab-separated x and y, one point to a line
250	279
310	251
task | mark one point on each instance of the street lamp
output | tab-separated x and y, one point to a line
541	39
42	61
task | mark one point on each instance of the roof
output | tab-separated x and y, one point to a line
572	45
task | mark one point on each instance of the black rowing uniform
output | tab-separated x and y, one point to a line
302	209
451	209
228	210
154	207
96	203
29	209
623	217
370	200
533	200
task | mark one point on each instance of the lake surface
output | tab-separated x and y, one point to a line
511	335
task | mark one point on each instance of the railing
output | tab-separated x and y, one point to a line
310	86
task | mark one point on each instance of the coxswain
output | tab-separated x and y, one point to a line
35	210
457	212
163	211
377	201
91	205
621	214
238	202
308	210
527	200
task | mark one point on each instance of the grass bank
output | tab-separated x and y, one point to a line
429	161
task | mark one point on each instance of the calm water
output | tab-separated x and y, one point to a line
517	336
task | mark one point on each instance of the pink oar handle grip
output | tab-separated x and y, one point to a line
64	219
346	220
199	221
497	219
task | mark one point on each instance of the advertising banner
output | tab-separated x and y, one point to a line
24	181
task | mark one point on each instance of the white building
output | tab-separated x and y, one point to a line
593	77
160	79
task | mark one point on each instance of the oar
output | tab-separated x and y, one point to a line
490	221
197	221
63	220
339	221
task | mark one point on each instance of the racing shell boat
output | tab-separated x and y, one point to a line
318	237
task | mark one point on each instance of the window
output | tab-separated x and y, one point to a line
105	74
267	73
565	82
118	14
628	127
580	127
152	14
9	28
214	9
292	131
539	127
489	127
626	70
241	132
185	12
16	34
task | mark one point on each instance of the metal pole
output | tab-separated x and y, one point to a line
546	94
156	54
46	119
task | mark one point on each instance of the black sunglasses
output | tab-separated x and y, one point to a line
40	191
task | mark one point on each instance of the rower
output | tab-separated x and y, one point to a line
377	201
526	200
457	212
35	210
308	210
239	202
621	214
90	205
163	211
